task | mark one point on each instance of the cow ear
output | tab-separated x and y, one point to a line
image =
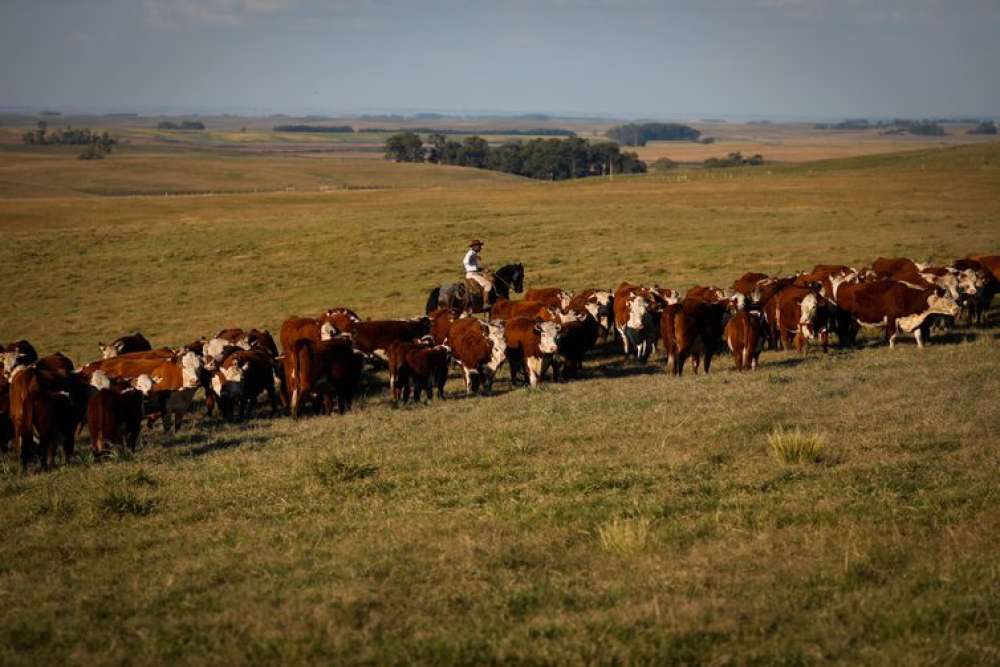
538	328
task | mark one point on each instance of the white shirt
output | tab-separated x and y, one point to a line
471	261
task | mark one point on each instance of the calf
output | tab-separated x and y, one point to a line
745	336
41	412
423	365
115	410
530	346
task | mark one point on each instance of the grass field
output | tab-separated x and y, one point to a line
629	517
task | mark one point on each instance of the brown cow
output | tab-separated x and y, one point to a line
480	349
6	425
748	282
175	382
342	320
637	313
895	306
373	337
322	370
691	329
423	365
295	328
115	410
555	297
600	304
745	336
134	342
798	315
575	339
505	309
441	321
980	303
41	410
991	262
530	346
886	267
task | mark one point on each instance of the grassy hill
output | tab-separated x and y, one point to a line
627	517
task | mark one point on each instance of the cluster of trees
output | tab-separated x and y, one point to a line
533	132
97	145
734	160
637	134
986	127
544	159
183	125
926	128
849	124
313	128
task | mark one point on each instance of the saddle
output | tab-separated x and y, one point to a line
473	289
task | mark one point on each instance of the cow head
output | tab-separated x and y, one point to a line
327	331
144	384
547	333
100	380
942	304
8	360
107	351
228	380
971	281
807	318
637	308
191	369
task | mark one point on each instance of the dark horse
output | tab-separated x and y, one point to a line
459	298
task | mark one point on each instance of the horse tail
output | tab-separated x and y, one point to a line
434	300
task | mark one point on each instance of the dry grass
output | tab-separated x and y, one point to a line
796	445
628	517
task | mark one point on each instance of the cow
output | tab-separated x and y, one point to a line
991	262
576	337
797	315
554	297
710	294
6	426
480	349
241	378
341	320
44	409
692	329
373	337
748	282
886	267
530	346
115	410
175	382
295	328
637	319
18	353
441	321
134	342
988	286
895	306
505	309
600	304
424	365
745	335
324	370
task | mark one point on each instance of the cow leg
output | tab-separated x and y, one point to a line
918	335
708	360
738	358
891	333
533	366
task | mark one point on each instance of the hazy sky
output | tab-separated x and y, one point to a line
808	58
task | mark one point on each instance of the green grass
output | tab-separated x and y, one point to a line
629	517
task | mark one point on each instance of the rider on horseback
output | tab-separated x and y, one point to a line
474	269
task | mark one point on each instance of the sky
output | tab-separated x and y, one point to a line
625	58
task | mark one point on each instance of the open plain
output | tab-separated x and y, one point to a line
626	517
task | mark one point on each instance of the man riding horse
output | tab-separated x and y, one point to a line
480	289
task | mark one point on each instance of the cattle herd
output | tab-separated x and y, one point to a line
46	402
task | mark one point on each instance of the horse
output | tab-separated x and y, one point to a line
458	298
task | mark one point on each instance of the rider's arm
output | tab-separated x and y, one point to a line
471	262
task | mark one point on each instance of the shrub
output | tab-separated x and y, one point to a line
986	127
664	164
796	445
624	536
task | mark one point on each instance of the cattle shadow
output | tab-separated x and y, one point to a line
224	444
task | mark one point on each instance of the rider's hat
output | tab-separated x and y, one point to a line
474	242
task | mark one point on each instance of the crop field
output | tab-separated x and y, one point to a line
626	517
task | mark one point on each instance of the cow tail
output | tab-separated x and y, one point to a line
433	300
23	440
747	339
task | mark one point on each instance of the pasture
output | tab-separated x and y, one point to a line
630	516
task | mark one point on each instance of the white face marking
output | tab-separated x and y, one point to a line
108	351
214	348
636	312
564	299
190	369
143	383
547	338
100	380
808	313
327	331
499	353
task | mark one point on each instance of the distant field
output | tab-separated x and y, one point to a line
629	517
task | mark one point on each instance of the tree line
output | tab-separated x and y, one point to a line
544	159
97	145
183	125
637	134
534	132
313	128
